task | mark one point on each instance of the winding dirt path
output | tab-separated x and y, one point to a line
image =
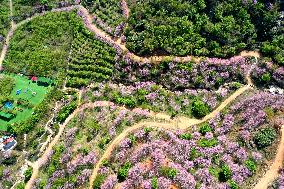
273	173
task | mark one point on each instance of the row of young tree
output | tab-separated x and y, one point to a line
205	27
90	60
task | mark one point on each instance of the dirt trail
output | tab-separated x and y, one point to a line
272	173
48	129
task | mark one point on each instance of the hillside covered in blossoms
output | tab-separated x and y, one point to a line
141	94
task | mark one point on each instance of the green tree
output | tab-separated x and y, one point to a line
199	109
28	174
204	128
123	171
251	165
265	137
225	174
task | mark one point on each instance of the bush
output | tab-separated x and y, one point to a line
154	183
9	161
123	171
168	172
66	111
207	143
233	184
99	181
7	84
28	174
194	154
265	137
251	165
104	141
20	186
266	77
186	136
199	109
205	128
225	174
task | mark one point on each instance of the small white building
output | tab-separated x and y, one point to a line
7	143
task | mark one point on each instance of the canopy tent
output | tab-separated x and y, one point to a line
34	78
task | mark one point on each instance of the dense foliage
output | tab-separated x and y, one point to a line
40	47
151	96
7	84
265	137
202	27
267	73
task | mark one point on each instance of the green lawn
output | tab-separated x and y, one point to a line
25	84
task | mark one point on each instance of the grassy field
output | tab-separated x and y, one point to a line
27	88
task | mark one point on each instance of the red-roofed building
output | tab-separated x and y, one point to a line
34	78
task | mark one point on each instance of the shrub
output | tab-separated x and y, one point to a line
105	140
9	161
225	174
7	84
154	183
194	154
233	184
99	181
207	143
20	186
132	138
28	174
205	128
251	165
265	137
66	111
168	172
266	77
186	136
199	109
123	171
